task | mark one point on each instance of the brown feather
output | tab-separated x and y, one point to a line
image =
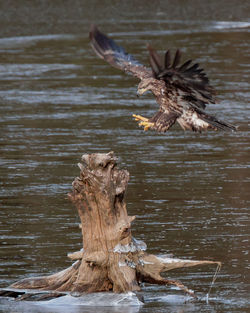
177	59
185	65
115	55
155	61
167	59
163	121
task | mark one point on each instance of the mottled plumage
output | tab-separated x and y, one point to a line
182	91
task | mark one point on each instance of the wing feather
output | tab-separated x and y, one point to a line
177	59
167	59
189	79
185	66
115	55
155	61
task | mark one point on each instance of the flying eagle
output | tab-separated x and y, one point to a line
182	91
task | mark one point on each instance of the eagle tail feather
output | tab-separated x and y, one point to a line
218	124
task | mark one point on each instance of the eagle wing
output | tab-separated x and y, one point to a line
115	55
189	79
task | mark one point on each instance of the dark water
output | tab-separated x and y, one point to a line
190	192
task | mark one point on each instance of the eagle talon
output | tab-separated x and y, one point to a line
143	122
140	118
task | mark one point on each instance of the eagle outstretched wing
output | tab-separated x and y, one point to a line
188	78
115	55
182	91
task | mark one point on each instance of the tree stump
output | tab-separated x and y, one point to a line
111	259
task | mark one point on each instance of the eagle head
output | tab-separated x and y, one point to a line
145	85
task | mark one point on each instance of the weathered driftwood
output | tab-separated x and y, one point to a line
111	259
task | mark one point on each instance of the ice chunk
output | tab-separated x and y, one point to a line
133	246
104	302
99	299
141	245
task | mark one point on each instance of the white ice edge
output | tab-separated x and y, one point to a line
133	246
102	299
168	260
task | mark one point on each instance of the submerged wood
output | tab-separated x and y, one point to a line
111	259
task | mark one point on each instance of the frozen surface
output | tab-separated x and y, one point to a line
99	302
98	299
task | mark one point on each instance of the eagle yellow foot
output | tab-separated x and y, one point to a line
143	121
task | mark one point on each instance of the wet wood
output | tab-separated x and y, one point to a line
111	259
24	294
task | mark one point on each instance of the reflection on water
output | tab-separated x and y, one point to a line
190	192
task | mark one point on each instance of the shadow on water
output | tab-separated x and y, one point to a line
190	192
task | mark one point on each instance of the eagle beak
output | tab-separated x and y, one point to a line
141	92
